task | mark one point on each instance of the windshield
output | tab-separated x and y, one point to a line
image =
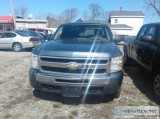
82	33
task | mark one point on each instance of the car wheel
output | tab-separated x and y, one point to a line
157	84
17	47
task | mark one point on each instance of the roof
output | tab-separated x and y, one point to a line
79	20
83	23
30	20
98	21
126	13
6	19
120	26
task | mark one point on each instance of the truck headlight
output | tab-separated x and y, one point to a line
34	61
116	64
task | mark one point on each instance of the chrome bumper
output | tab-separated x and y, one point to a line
101	79
97	85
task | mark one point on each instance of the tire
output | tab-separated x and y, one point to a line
17	47
156	84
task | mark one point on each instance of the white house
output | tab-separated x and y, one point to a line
126	22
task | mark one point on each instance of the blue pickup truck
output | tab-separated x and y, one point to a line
81	59
145	50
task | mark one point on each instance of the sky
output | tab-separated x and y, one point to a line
39	7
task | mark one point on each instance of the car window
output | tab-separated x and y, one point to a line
9	35
22	33
142	32
82	33
151	31
1	35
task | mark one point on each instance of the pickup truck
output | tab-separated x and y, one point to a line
145	50
82	59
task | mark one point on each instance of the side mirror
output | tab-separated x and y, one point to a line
147	38
119	39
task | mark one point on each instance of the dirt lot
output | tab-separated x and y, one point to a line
19	101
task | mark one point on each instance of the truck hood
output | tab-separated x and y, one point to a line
68	49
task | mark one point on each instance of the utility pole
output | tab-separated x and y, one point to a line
12	9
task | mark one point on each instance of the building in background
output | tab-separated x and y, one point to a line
120	22
126	22
30	23
123	22
6	23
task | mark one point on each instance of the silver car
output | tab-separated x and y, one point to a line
17	41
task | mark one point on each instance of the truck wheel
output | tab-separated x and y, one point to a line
17	47
156	84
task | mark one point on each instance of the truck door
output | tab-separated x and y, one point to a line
146	47
136	43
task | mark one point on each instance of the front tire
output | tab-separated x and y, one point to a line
156	84
17	47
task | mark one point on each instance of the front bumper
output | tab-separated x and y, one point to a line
76	85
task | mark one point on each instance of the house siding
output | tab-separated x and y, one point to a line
133	22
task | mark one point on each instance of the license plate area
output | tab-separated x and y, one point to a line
71	91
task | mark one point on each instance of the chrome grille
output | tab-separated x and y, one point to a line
78	71
59	65
74	60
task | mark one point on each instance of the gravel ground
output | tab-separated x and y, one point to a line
19	101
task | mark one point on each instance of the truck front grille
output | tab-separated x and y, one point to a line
74	60
78	71
59	65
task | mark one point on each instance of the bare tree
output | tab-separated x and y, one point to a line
95	10
52	19
43	16
104	15
70	14
21	11
55	20
85	15
154	5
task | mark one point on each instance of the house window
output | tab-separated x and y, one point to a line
116	21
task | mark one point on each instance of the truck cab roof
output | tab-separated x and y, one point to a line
84	23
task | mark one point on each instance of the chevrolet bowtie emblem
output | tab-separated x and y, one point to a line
72	65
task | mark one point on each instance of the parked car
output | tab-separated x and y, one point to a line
17	41
33	34
145	50
81	59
